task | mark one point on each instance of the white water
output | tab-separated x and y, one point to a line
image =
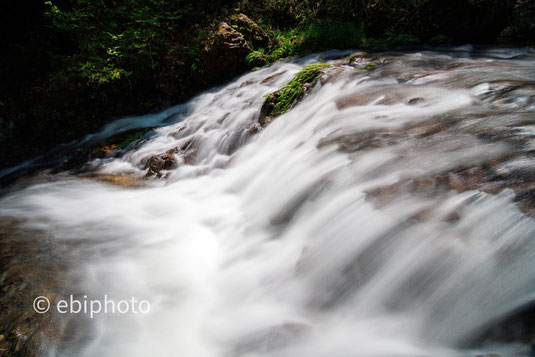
275	249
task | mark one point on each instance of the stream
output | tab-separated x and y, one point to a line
388	213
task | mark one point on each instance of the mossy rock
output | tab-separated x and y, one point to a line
281	101
250	30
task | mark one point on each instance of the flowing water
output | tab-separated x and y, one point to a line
334	231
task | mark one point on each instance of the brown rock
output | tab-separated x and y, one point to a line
102	151
169	159
414	101
250	29
475	178
352	101
158	163
267	109
271	78
119	180
363	141
32	265
226	54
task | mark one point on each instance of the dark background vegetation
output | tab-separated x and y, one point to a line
69	66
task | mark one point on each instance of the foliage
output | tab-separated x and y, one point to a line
72	65
324	35
523	24
311	37
111	42
256	56
391	40
288	14
397	40
294	89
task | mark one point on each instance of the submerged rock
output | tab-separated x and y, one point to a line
32	266
118	180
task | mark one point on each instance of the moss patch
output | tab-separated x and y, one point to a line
133	137
281	101
369	66
293	90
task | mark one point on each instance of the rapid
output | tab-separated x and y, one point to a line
355	224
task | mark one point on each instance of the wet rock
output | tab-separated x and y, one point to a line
250	29
267	108
118	180
254	128
425	187
281	101
352	101
76	159
363	141
430	128
415	101
272	78
356	59
225	55
32	266
485	178
475	178
171	159
158	163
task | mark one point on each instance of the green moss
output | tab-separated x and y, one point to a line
294	89
133	137
352	57
369	66
307	38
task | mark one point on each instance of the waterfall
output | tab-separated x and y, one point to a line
355	224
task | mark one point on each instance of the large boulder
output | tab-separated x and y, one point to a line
225	55
250	29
